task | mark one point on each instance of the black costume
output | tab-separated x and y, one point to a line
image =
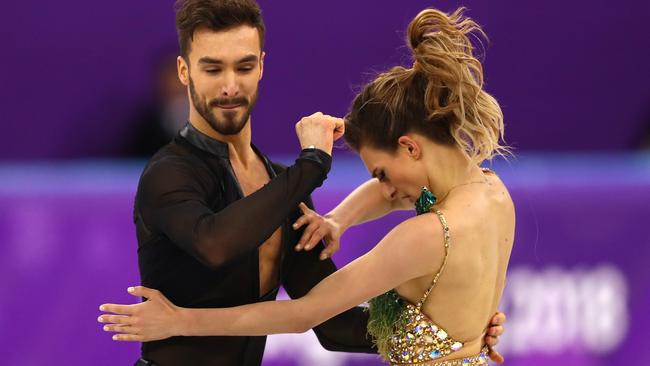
198	240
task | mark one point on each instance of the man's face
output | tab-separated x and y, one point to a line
223	74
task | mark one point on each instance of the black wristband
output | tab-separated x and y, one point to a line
322	159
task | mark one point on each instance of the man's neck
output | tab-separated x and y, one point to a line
239	145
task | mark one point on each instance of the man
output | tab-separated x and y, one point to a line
213	215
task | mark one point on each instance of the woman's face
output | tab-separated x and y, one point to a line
401	176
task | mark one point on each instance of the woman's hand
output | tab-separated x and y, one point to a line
154	319
495	330
318	228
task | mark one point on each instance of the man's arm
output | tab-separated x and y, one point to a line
173	201
345	332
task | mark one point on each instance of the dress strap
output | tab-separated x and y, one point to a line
447	240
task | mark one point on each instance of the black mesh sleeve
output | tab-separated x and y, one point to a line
346	332
173	202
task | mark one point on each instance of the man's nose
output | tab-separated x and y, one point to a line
230	87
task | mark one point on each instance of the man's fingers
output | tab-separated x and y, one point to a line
118	309
120	328
115	319
495	330
128	338
491	341
142	291
339	128
495	356
499	319
492	338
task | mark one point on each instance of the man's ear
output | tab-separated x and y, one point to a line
262	65
183	70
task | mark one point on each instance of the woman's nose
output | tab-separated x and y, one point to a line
389	191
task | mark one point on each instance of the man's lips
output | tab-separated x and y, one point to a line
228	106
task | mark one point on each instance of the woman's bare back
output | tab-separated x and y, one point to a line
481	221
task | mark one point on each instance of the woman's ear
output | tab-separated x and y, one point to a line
411	146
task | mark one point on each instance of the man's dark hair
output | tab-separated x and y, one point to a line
217	15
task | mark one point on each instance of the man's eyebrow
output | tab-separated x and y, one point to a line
210	60
248	58
213	61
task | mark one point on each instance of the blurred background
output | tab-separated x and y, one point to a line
88	92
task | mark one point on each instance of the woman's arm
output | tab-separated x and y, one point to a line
366	203
410	250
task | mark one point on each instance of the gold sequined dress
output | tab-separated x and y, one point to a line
420	341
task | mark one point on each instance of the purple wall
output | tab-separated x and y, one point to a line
569	75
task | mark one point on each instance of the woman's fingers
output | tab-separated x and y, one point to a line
306	237
331	247
305	210
302	220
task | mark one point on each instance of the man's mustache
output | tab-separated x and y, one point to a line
229	101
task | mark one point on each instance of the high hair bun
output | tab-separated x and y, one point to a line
443	32
441	97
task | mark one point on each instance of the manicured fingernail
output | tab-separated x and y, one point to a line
323	256
101	307
130	289
295	226
106	328
298	247
307	247
115	337
100	319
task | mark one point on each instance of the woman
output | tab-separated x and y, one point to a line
435	280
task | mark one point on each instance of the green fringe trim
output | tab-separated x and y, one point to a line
385	311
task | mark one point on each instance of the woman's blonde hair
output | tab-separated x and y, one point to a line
441	96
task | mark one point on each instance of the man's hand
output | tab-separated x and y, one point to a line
318	228
495	330
320	131
157	318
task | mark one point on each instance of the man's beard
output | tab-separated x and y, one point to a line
229	125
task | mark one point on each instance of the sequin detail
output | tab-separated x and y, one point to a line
479	360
